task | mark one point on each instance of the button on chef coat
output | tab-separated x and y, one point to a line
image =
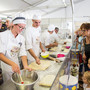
12	48
32	36
46	39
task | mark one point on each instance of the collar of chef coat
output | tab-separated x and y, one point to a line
12	35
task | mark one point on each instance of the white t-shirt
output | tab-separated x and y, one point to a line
84	86
32	36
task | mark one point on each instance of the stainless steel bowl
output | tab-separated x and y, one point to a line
29	78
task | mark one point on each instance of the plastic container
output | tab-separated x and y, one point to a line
68	85
60	55
67	47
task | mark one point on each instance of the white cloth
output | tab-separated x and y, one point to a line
84	86
54	37
32	36
12	48
46	39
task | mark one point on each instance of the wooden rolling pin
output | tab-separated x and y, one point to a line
54	59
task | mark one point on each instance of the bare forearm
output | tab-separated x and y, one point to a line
42	47
24	61
32	53
5	59
52	45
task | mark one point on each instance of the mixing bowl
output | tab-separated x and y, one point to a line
29	78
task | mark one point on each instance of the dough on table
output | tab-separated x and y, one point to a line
66	50
54	49
43	66
47	80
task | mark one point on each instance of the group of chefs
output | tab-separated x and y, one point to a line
27	46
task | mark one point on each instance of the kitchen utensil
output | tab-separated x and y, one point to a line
46	55
29	78
60	55
67	47
22	82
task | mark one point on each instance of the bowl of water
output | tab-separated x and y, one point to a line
29	79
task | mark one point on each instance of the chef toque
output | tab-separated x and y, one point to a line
36	17
19	20
51	28
9	19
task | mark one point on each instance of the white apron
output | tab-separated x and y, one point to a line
11	53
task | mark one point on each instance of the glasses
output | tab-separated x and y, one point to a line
21	28
83	30
37	22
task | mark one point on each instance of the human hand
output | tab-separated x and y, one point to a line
15	68
84	57
28	68
38	61
43	50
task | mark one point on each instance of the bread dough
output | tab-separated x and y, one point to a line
66	50
44	65
54	49
47	80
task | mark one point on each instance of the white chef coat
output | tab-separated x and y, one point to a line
32	36
46	39
54	37
12	48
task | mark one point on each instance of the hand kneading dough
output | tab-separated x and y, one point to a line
47	80
44	65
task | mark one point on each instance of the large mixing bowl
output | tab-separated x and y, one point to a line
29	78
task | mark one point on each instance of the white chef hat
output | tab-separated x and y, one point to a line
19	20
10	19
51	27
36	17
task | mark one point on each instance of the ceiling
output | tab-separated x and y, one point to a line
29	7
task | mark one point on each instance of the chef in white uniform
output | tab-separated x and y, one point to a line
12	46
33	41
55	35
8	22
47	39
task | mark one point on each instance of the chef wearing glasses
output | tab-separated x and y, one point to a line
12	46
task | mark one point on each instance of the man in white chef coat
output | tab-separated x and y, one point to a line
12	46
33	41
8	22
54	36
47	39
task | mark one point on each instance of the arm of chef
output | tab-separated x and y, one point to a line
3	58
29	45
56	38
23	55
48	43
